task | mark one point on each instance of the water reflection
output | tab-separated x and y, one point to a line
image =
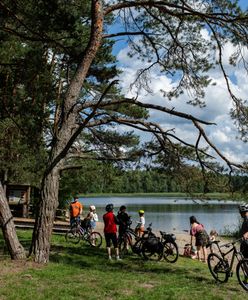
173	213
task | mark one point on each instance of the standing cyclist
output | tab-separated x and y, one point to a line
110	230
76	209
123	220
243	209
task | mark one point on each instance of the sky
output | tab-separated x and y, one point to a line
218	103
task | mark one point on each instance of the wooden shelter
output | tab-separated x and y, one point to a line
18	196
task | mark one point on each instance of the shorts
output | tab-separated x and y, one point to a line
201	238
111	237
92	224
74	221
140	230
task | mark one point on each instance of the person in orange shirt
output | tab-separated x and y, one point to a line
76	209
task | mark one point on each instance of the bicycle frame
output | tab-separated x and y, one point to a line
233	250
129	234
84	232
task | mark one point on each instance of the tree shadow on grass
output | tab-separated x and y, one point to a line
86	257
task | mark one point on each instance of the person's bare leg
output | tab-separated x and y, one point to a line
204	250
109	252
198	252
117	253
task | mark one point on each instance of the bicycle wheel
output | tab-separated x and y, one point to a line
72	236
124	244
218	267
242	273
137	247
95	239
152	254
170	252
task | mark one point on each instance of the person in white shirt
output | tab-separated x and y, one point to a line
140	228
92	217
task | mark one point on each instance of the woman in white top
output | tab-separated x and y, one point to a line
92	217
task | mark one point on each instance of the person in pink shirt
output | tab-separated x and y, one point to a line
198	232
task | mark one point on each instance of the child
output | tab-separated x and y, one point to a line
140	228
92	217
212	237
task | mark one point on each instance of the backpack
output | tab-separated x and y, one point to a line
189	250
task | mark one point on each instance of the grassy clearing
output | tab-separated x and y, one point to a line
82	272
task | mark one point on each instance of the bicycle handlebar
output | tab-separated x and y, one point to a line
227	245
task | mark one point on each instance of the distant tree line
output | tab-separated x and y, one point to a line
107	178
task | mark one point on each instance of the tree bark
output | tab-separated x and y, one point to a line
45	217
15	248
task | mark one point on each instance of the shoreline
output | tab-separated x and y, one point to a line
209	196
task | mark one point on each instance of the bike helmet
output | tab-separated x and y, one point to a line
123	207
243	208
92	207
109	207
141	211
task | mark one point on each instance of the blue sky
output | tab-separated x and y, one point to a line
243	4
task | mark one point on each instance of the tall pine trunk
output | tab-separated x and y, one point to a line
45	217
15	248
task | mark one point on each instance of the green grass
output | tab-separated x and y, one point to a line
82	272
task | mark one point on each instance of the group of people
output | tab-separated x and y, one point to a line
110	222
76	210
197	230
202	239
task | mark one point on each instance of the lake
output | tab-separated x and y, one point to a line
172	214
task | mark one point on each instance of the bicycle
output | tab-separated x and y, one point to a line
77	233
148	245
220	267
170	247
152	248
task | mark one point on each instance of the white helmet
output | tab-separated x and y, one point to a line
243	208
92	207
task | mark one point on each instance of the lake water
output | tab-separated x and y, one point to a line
172	214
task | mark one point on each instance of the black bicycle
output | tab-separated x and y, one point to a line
221	268
147	245
77	233
170	247
151	245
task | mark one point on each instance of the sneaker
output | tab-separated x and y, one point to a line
118	258
110	258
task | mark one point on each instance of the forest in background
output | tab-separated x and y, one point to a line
100	178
